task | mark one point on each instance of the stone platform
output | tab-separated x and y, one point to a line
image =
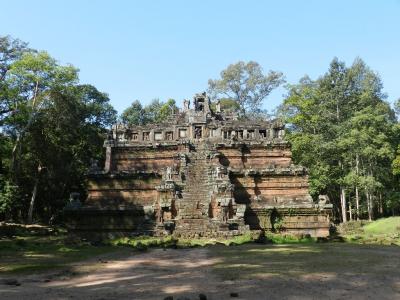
203	173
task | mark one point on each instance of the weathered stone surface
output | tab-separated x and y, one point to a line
201	174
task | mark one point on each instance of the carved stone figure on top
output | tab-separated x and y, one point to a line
218	107
323	199
186	105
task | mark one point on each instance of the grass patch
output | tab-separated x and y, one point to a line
255	261
145	242
32	253
384	226
276	238
384	231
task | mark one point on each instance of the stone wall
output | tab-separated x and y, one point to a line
144	160
275	190
122	191
248	157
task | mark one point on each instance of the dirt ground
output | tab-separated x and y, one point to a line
325	271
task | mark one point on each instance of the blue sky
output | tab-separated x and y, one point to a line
169	49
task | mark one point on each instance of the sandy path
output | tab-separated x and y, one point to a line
150	275
184	273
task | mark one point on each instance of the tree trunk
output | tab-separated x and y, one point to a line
15	154
357	204
357	195
33	200
343	204
380	205
350	212
369	205
34	194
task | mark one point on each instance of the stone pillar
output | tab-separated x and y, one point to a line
107	166
151	135
271	133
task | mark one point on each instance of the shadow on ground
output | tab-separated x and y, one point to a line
307	271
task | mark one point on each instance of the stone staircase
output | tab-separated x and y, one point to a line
194	205
193	220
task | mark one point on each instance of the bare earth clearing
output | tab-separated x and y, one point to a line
302	271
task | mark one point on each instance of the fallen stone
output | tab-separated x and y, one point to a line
202	297
12	281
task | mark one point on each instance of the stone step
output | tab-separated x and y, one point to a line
197	190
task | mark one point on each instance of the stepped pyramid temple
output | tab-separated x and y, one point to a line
202	173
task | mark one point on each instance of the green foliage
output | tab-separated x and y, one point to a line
342	129
167	109
246	84
145	242
393	201
134	114
396	162
277	238
8	196
50	129
155	112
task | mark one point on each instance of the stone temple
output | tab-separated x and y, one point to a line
202	173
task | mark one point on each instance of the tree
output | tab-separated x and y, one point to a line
10	51
51	129
70	130
343	131
32	77
246	84
396	162
134	114
167	109
155	112
152	111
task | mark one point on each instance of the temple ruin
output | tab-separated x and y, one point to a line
202	173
